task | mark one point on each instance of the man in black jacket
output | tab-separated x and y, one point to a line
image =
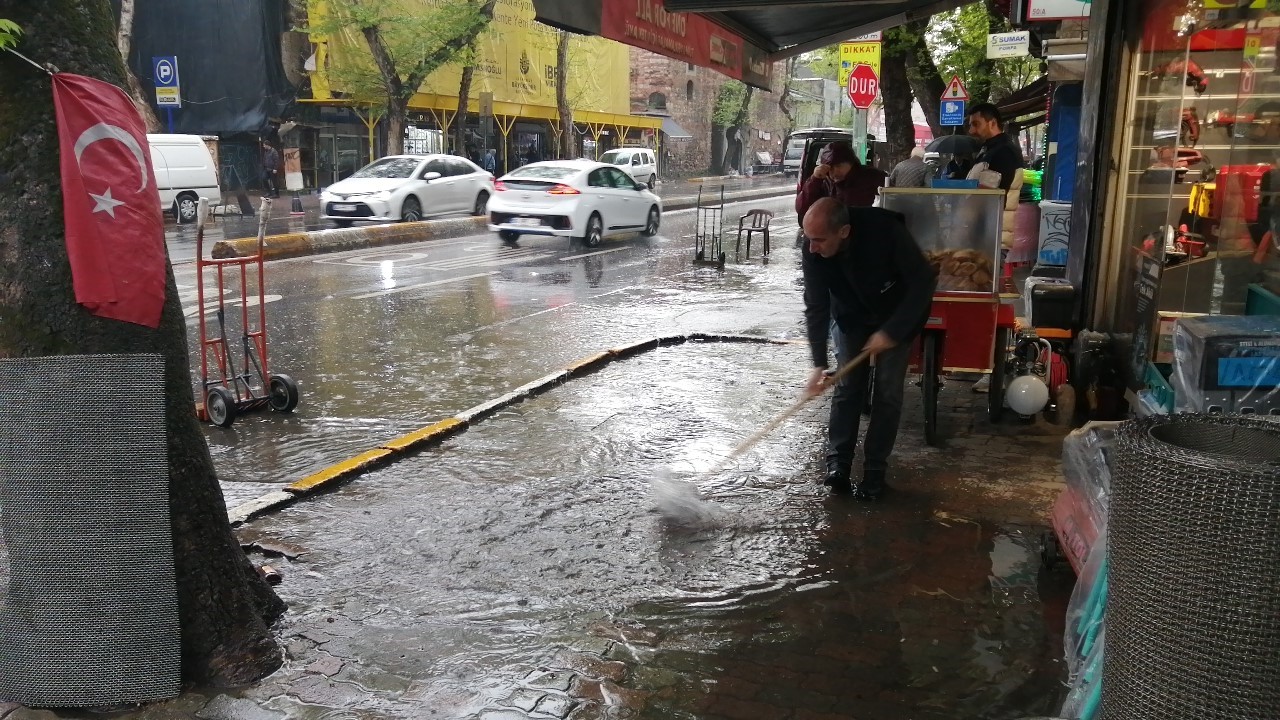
863	269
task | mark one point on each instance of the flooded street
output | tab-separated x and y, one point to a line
531	553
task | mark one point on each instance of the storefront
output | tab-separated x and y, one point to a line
1183	227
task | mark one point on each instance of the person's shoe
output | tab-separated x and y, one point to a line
871	487
838	481
983	385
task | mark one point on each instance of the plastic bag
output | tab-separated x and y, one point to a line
1085	637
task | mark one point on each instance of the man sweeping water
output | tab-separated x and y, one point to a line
862	269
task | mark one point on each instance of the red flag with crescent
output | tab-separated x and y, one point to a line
114	226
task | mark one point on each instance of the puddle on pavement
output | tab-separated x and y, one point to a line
446	581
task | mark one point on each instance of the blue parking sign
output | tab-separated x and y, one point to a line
952	112
164	75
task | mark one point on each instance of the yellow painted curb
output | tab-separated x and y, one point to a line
339	472
431	432
589	363
273	247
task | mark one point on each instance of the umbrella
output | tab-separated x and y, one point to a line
953	145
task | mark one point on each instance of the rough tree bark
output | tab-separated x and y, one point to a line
124	41
225	608
562	97
464	99
922	72
895	92
784	102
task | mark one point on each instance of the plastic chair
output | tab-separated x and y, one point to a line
760	220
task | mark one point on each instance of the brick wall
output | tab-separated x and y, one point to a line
689	95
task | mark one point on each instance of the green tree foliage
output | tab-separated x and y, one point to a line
958	40
9	33
407	41
728	103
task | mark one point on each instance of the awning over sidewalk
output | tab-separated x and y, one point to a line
671	128
1030	99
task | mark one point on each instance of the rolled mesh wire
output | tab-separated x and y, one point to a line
88	603
1193	615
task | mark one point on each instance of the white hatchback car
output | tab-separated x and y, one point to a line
572	198
639	162
408	188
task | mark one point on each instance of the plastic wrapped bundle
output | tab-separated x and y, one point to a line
1193	616
1080	513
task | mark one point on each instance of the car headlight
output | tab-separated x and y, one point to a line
381	195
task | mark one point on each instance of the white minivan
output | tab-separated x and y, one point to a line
639	163
185	173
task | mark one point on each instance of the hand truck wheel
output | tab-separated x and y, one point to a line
220	404
929	382
284	393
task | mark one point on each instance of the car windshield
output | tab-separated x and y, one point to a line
389	168
616	157
794	152
546	172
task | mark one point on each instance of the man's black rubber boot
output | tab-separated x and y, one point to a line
872	486
838	480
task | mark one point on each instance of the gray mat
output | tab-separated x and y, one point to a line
89	614
1193	612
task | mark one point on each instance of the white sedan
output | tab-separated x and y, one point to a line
572	198
408	188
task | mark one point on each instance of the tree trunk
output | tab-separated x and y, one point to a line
124	41
734	153
397	116
926	84
562	96
225	607
464	99
895	91
784	102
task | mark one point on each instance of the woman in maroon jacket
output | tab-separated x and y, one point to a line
840	175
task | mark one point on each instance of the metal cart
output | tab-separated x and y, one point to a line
970	323
251	386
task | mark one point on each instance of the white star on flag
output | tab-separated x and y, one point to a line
105	203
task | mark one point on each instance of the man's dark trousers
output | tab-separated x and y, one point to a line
850	397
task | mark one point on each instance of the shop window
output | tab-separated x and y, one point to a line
657	101
688	91
1201	139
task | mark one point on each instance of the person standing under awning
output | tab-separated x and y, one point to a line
840	175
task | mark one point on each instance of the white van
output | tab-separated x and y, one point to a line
185	172
639	162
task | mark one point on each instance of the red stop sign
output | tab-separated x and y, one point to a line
864	85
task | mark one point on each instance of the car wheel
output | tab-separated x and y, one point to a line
343	223
186	207
595	231
411	210
482	202
653	180
651	225
509	236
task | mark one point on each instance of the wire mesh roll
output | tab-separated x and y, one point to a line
1193	618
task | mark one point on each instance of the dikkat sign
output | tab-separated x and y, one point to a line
858	53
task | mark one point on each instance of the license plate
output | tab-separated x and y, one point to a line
344	208
527	222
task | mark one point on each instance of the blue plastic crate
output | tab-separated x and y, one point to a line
955	184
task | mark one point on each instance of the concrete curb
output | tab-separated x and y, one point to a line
388	452
315	242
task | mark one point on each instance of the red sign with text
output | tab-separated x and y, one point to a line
683	36
864	85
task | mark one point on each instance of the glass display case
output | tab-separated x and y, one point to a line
1199	143
958	230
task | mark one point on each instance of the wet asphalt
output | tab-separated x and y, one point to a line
555	560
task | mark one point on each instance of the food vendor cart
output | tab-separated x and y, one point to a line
970	322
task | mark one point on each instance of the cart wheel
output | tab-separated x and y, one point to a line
1050	553
995	394
284	393
221	406
929	382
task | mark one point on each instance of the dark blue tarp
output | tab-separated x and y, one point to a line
229	61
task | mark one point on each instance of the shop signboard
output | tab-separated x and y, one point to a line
1008	45
1050	10
860	52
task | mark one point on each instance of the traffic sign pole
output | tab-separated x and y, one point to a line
864	86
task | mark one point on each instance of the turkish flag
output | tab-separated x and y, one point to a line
115	229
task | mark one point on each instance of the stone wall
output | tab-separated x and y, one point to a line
687	94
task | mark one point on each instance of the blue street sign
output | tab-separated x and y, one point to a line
164	74
952	112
